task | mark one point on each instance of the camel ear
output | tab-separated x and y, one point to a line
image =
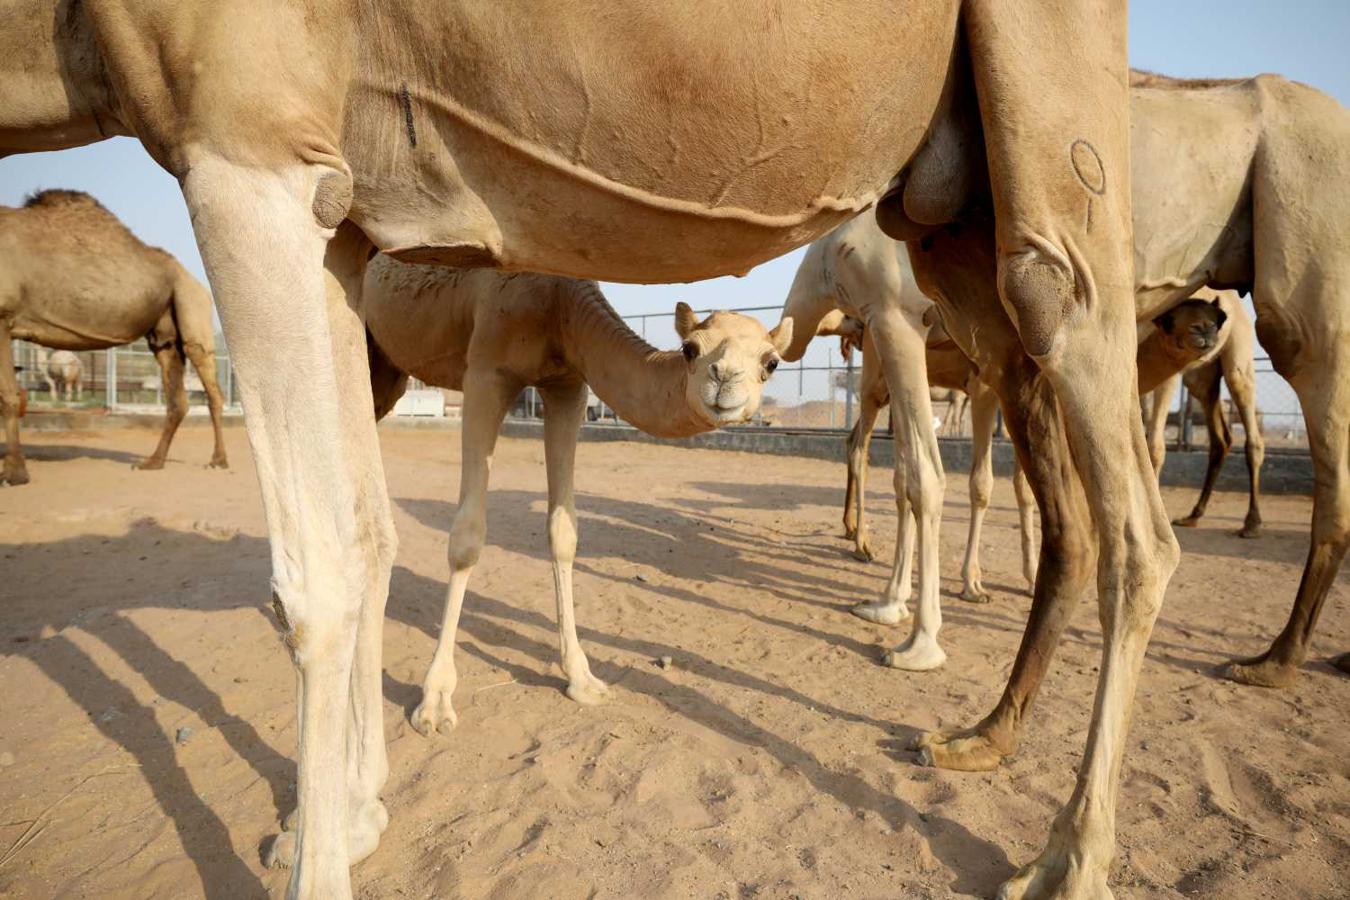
1220	316
1165	322
781	336
685	320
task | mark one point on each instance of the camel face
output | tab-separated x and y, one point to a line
1192	328
730	357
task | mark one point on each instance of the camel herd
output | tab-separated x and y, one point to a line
1048	200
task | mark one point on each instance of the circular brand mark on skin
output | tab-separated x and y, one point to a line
1087	165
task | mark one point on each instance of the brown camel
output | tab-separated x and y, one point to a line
1232	360
489	335
75	278
1229	150
655	142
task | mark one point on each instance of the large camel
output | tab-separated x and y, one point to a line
1232	359
489	335
75	278
1236	184
641	142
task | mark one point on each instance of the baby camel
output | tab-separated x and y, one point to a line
1231	359
73	277
490	334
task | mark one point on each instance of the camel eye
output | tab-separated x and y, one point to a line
772	364
690	350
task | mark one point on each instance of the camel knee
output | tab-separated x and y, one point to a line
467	535
923	489
1040	288
562	535
316	631
981	487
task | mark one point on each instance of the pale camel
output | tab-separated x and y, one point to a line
657	142
489	335
75	278
63	373
1232	360
1236	184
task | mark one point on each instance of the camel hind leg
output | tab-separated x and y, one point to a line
983	405
487	398
1155	429
14	472
1203	383
204	361
164	343
565	409
1326	414
1241	379
871	398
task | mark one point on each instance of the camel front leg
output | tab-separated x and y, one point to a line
1026	519
1057	137
14	472
204	361
487	398
1241	381
1155	430
983	405
175	397
565	410
899	340
859	454
1204	385
265	254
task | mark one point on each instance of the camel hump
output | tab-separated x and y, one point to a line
61	197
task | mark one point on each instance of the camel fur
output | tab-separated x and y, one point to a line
73	277
490	335
654	142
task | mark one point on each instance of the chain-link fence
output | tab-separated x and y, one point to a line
817	393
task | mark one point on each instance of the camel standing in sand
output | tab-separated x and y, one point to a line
63	373
490	335
1231	360
73	277
1236	184
642	145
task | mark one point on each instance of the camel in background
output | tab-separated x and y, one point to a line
640	145
63	373
73	277
490	335
1231	360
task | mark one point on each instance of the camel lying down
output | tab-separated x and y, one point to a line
490	335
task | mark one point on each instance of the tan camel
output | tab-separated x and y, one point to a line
1207	156
489	335
73	277
657	142
1232	360
63	373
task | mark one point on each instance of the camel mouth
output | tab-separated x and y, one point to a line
727	415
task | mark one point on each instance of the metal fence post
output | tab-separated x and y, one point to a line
848	392
110	400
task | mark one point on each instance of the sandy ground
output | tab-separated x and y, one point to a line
147	729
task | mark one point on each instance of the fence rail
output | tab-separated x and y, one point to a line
817	393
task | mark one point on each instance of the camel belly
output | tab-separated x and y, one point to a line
638	142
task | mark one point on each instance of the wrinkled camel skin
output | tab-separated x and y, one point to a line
73	277
1232	359
655	142
489	335
1226	150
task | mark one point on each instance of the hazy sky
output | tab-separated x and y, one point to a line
1304	40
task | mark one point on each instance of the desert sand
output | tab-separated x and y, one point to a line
147	730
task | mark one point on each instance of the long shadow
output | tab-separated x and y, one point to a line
952	842
67	452
86	607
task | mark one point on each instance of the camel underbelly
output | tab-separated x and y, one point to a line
641	142
75	332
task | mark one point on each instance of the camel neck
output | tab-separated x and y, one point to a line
810	299
645	386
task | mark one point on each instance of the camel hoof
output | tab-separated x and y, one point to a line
1187	522
881	613
363	836
220	463
1261	672
1249	532
1071	873
968	750
864	553
149	464
14	476
916	658
976	596
588	690
850	533
434	715
1342	662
